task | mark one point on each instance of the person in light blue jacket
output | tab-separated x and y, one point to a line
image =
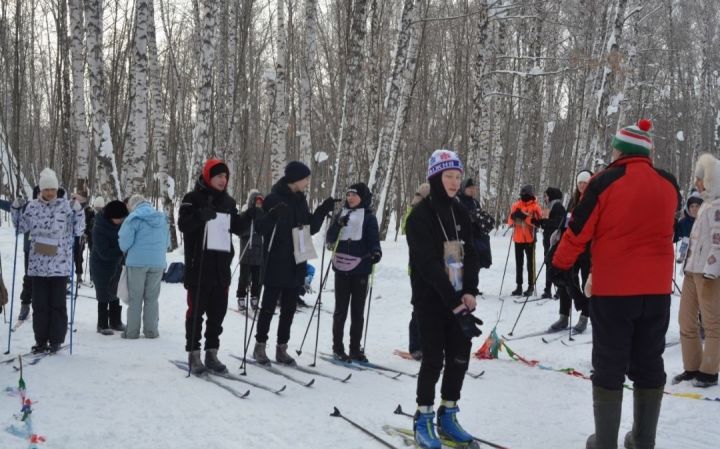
145	237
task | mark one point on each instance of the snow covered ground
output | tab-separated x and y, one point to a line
115	393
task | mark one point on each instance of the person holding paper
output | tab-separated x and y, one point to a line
444	278
52	223
207	262
355	229
145	237
288	245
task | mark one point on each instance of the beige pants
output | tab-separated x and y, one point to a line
700	295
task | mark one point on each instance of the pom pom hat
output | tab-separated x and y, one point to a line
635	139
48	180
442	160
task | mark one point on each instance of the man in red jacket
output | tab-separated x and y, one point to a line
632	277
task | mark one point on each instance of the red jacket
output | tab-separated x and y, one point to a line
628	212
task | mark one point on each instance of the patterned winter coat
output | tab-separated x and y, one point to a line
55	221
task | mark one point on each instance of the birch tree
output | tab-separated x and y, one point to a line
307	72
79	120
108	182
278	152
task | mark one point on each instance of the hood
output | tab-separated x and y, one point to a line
364	193
252	196
281	188
145	212
553	193
707	168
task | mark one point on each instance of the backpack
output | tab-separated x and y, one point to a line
175	273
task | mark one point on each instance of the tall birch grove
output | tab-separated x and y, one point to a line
130	97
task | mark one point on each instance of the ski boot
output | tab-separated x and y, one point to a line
339	354
196	365
254	301
518	291
104	330
259	354
358	356
424	428
212	363
54	348
242	303
546	295
282	356
560	324
530	290
39	348
448	425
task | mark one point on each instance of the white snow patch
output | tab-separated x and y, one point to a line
680	136
320	157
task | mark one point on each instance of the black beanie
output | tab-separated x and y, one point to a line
115	209
295	171
553	193
467	183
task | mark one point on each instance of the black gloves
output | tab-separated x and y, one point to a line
327	206
518	215
251	212
469	324
561	278
206	214
277	210
375	257
343	220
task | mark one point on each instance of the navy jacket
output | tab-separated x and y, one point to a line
368	244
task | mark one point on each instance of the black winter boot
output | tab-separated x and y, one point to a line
607	407
518	291
115	315
103	326
646	411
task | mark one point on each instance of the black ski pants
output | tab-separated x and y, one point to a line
581	268
443	343
629	338
288	298
249	274
350	292
523	250
50	318
212	301
26	293
78	248
415	343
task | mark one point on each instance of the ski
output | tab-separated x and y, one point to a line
375	366
408	437
475	375
521	301
530	335
400	411
237	378
575	343
336	414
27	355
183	366
276	371
314	372
559	337
358	367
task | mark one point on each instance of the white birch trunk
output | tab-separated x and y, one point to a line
278	153
307	73
479	126
201	133
135	153
108	180
346	141
79	121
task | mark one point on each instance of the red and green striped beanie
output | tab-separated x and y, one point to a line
634	139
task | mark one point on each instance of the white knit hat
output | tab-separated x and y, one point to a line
48	180
99	202
134	201
583	176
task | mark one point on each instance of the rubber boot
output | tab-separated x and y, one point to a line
607	408
646	411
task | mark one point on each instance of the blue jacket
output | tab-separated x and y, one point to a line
684	226
145	237
368	244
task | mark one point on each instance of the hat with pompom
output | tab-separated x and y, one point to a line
442	160
634	139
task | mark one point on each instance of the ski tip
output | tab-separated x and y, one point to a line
280	390
347	378
398	410
310	384
335	413
244	395
545	340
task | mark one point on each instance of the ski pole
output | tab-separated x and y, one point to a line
247	292
506	264
367	320
677	287
12	290
336	414
522	308
262	291
195	298
319	298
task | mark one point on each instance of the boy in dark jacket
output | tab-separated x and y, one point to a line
252	258
444	278
355	230
207	271
551	222
284	275
482	222
685	224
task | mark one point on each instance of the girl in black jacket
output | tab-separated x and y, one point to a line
352	264
444	278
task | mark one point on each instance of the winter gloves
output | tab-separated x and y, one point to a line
343	220
375	257
206	214
469	324
518	215
327	206
561	278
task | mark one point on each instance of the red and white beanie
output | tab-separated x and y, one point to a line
442	160
634	139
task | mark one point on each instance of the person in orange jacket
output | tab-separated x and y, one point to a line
525	216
